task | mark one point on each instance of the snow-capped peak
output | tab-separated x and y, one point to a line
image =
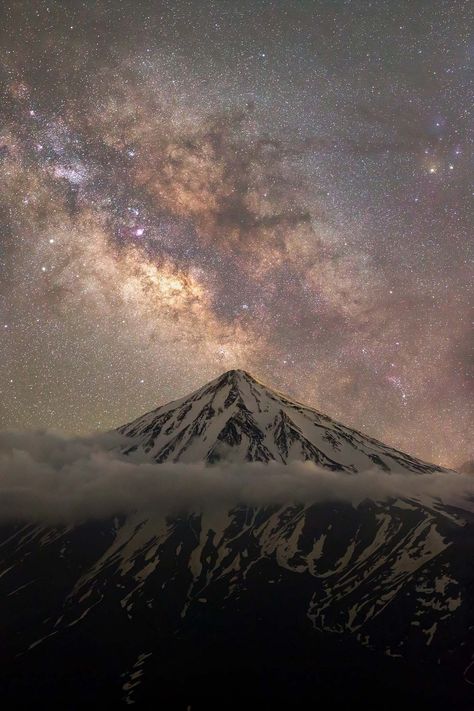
237	417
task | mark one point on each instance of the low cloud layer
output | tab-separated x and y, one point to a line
54	479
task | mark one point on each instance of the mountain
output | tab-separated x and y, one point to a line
278	606
237	418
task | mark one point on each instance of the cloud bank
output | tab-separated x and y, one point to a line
51	478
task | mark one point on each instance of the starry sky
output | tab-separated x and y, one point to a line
276	185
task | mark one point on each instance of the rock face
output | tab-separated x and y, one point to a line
273	607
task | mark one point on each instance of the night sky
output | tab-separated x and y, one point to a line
284	187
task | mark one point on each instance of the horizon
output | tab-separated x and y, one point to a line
89	433
456	468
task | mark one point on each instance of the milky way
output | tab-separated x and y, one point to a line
284	187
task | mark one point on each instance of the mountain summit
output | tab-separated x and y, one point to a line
236	417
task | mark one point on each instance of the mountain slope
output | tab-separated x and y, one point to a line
281	606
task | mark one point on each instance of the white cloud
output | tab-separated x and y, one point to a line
53	478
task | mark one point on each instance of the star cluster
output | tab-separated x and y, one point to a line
280	186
